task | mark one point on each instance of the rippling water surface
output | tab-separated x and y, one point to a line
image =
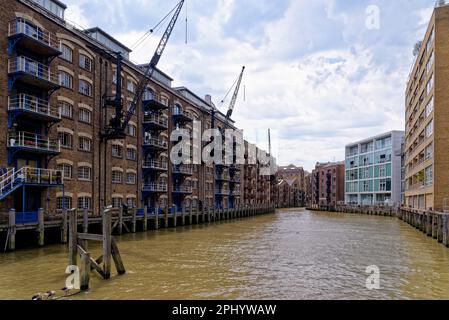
290	255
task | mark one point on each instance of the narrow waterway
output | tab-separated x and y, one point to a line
290	255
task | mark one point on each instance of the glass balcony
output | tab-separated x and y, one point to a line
23	34
32	73
153	121
33	143
33	108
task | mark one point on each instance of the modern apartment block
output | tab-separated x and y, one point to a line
55	86
373	170
427	118
328	184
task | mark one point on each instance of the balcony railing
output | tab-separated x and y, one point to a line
157	165
223	192
156	120
33	68
157	143
155	187
27	103
178	112
152	99
182	189
223	177
21	26
40	176
34	142
183	169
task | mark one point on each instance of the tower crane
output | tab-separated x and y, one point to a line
118	124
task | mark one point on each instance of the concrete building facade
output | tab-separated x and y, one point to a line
373	170
427	114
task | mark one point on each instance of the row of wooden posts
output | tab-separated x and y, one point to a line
129	222
432	224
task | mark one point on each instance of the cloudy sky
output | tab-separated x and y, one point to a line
321	74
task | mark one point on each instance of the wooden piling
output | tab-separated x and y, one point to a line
145	218
73	239
175	215
64	227
85	221
12	230
117	258
107	244
156	218
166	218
183	215
134	221
120	221
85	271
41	227
191	214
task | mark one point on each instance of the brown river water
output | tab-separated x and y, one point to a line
290	255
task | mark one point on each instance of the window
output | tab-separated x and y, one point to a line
85	144
130	109
117	151
117	202
85	203
66	140
131	154
429	108
85	62
132	130
85	88
429	129
383	171
63	203
429	151
65	80
85	173
131	202
85	115
130	86
365	186
429	176
66	109
366	173
430	62
67	170
430	41
430	84
117	176
131	178
67	53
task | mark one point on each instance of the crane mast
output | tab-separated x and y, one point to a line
118	124
235	95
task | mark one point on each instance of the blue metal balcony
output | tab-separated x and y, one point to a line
155	122
183	170
31	72
155	144
182	190
158	166
222	192
151	100
154	188
25	35
32	143
36	177
180	116
32	109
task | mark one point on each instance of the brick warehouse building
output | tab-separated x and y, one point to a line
328	184
54	83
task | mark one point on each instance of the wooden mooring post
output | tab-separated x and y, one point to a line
145	218
156	218
64	227
11	238
110	250
41	227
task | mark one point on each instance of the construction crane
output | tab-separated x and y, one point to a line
233	100
118	124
